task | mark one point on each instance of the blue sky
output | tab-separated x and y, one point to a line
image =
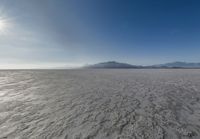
56	33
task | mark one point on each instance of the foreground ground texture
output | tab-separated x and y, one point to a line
100	104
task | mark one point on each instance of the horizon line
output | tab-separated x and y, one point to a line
60	66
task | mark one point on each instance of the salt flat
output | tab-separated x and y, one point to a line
100	104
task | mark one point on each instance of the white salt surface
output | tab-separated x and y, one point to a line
100	104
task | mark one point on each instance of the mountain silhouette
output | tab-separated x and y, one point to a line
114	64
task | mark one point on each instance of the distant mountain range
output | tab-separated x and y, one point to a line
114	64
180	65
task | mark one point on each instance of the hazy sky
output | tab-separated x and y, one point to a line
56	33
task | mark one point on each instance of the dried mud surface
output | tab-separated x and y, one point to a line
100	104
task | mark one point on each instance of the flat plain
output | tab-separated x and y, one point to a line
100	104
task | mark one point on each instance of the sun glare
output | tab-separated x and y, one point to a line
2	25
